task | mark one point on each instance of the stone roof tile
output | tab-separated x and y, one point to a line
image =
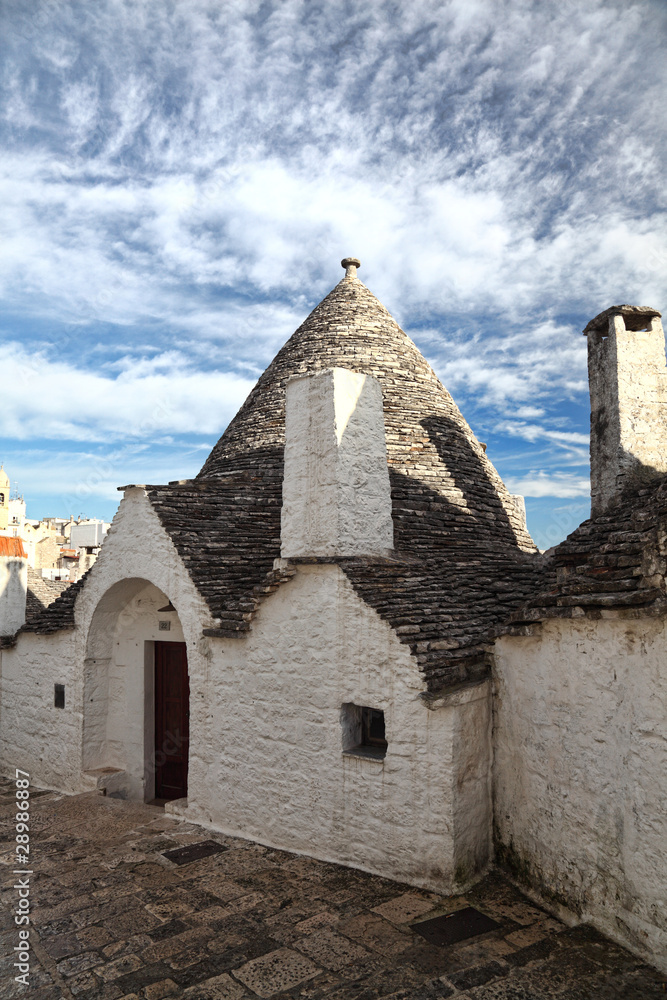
41	593
49	607
617	560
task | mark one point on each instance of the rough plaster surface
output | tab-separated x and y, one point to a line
581	772
58	745
13	593
269	764
628	386
336	492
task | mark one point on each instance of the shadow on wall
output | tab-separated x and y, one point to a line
459	570
114	608
11	578
634	475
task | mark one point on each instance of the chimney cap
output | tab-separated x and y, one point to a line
350	264
635	317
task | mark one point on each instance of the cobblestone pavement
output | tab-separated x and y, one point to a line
113	917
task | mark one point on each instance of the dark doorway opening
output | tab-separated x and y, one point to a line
172	720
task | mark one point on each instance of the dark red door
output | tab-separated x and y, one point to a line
172	720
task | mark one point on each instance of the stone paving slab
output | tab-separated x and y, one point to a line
112	918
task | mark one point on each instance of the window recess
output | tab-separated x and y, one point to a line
363	731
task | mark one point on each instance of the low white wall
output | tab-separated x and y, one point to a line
581	772
266	742
34	735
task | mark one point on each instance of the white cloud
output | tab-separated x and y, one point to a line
79	480
543	484
512	369
533	432
145	401
231	148
81	103
529	412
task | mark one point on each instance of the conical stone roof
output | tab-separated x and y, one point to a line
463	559
428	439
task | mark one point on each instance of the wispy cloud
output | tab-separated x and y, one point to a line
144	401
183	178
533	432
541	484
232	144
509	369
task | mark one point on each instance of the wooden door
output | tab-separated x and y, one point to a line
172	720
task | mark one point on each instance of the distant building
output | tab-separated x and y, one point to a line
57	548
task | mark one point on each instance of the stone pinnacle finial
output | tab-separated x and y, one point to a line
350	264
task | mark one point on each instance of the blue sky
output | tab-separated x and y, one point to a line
179	181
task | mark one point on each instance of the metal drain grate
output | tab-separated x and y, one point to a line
193	852
453	927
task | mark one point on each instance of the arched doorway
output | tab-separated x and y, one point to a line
136	694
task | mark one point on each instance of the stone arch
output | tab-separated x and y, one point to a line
118	746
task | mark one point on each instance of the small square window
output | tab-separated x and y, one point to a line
59	696
363	731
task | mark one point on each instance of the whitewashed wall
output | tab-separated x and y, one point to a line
35	736
581	772
336	491
267	761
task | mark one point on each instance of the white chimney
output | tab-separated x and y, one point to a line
628	387
13	585
336	493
